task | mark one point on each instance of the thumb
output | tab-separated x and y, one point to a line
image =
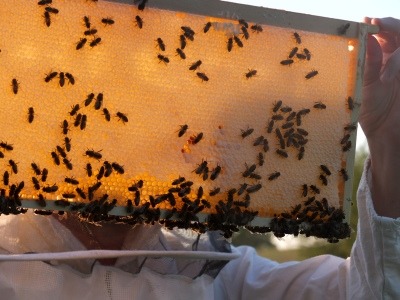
373	63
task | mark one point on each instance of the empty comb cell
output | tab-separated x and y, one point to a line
161	117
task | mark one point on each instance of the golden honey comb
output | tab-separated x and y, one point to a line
145	97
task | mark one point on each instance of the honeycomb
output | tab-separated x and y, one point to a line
153	111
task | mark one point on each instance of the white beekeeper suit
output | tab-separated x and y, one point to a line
372	271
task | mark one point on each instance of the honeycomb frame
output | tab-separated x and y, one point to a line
185	149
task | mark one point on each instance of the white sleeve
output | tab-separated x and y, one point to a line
375	259
372	271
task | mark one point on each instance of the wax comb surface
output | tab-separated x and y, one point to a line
170	113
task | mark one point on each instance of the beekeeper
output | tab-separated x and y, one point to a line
173	264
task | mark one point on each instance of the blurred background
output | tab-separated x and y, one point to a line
300	248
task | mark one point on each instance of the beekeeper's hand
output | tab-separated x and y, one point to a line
380	114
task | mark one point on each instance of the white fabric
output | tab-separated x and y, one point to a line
37	280
372	271
100	254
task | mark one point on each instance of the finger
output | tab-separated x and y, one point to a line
392	67
388	41
387	24
389	30
367	20
373	61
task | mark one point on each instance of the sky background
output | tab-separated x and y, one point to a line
352	10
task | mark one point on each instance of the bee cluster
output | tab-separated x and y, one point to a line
90	32
187	201
295	53
48	10
312	217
